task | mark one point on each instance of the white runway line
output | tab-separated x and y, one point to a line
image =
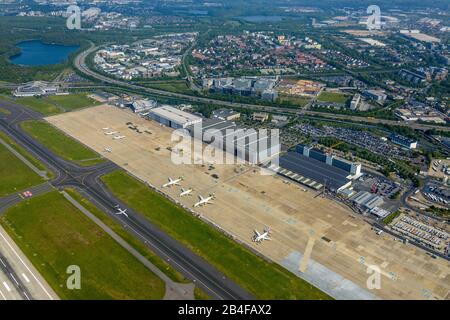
25	277
6	286
2	295
20	259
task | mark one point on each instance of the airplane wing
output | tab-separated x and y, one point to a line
257	233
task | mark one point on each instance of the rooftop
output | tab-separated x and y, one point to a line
320	172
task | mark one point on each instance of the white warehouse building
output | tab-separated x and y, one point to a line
173	117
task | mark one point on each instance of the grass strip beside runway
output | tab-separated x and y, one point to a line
15	175
55	235
61	144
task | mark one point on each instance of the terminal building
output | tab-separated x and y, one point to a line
249	145
246	144
173	117
317	170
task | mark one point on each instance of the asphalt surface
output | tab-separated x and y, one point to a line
80	64
87	181
6	268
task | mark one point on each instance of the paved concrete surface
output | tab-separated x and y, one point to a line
27	278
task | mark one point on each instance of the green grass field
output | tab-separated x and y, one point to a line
135	243
55	235
61	144
294	101
38	164
335	97
40	105
73	101
172	86
4	111
15	175
52	105
264	279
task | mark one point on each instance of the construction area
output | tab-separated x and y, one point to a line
318	239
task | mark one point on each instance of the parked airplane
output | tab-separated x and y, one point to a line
110	133
108	150
123	212
186	192
260	237
118	137
204	201
172	182
105	128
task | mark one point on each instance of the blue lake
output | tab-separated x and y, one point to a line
261	18
38	53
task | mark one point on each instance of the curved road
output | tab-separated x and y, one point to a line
80	64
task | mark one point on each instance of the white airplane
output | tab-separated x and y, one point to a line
204	201
110	133
119	137
108	150
186	192
105	128
172	182
123	212
260	237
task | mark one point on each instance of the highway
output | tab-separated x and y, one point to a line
87	181
80	64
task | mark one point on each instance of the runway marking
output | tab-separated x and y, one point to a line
25	277
20	259
6	286
3	296
307	254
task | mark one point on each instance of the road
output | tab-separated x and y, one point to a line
80	64
87	181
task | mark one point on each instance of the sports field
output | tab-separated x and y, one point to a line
61	144
14	174
55	235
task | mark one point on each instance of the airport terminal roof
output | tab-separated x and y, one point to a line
176	115
320	172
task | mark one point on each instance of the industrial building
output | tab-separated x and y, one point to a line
352	168
139	106
315	169
173	117
314	173
403	141
35	89
226	114
246	144
376	95
370	202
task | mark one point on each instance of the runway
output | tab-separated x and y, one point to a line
87	181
